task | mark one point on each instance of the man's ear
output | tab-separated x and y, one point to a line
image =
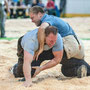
39	14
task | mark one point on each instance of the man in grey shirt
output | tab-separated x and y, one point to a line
28	45
28	66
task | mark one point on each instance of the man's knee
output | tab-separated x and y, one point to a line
69	72
18	70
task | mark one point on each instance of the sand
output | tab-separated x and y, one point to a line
51	79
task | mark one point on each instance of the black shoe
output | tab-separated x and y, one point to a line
21	80
82	71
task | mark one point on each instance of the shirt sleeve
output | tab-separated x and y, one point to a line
49	22
29	46
59	44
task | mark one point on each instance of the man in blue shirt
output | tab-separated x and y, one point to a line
73	56
72	45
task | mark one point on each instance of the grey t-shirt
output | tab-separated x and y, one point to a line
30	42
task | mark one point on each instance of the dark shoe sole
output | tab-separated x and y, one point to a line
82	71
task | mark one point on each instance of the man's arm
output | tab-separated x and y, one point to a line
56	60
41	38
27	68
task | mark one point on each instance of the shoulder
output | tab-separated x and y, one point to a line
31	34
29	42
30	37
50	19
59	39
59	43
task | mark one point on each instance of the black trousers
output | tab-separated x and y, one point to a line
69	66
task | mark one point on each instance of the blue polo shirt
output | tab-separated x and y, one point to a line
30	42
63	28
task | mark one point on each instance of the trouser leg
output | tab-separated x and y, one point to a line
18	68
2	21
45	55
70	66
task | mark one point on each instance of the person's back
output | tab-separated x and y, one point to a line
63	28
30	42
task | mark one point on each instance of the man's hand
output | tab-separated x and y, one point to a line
27	68
38	70
27	83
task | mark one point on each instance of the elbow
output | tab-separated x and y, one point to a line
58	60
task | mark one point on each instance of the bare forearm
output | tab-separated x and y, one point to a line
27	71
41	37
50	64
27	68
58	57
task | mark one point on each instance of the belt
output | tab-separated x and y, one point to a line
77	39
78	42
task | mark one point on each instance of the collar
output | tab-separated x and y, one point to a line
44	16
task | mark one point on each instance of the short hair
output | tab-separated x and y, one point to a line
50	29
36	9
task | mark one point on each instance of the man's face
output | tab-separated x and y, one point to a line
35	18
51	40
